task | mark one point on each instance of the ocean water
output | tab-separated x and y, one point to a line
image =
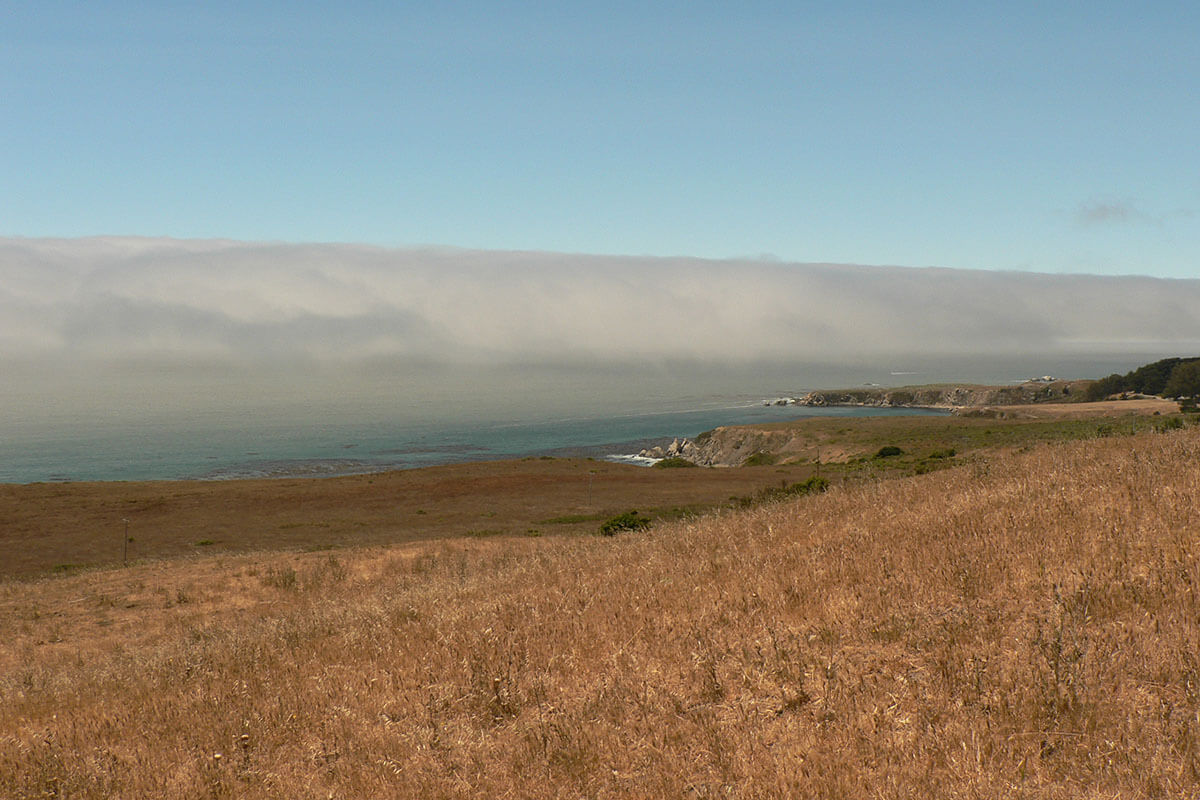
249	448
222	424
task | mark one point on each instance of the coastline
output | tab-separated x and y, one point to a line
342	447
720	448
350	448
64	527
948	396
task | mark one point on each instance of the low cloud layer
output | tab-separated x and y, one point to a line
114	300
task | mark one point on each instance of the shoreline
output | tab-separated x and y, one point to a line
347	449
741	445
613	438
68	526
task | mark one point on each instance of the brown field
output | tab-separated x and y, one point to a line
1023	626
1094	410
49	526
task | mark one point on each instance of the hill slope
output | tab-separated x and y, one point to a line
1019	628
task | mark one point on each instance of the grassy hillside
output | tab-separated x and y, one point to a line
1023	627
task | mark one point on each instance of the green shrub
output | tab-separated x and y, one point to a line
814	485
629	521
947	453
889	451
674	462
760	459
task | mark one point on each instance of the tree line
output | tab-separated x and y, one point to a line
1168	377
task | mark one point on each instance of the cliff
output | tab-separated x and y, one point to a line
951	396
732	445
729	446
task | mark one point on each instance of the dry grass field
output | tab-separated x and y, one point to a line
1100	408
1026	626
63	527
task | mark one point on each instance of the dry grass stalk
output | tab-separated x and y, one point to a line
1025	628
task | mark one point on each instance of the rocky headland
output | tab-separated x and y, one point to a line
955	396
732	445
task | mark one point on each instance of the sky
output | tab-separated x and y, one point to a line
1040	137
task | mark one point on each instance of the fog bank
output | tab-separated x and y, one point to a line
126	301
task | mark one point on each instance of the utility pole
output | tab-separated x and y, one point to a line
125	545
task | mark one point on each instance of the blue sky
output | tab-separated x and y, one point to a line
1052	137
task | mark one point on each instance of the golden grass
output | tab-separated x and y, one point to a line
1091	410
1023	628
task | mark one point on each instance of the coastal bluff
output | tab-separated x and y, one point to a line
732	445
952	396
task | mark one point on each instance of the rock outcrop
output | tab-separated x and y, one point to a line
675	449
724	447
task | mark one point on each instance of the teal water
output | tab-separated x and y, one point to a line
241	448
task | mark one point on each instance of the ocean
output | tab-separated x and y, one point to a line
241	448
195	424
